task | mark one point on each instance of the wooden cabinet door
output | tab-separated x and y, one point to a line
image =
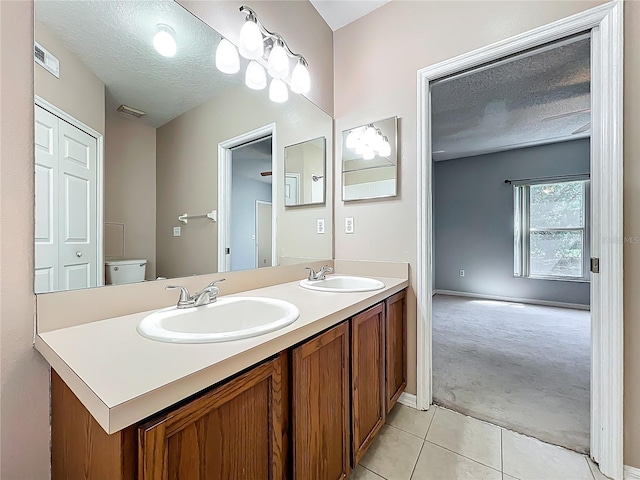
235	431
320	406
367	378
396	347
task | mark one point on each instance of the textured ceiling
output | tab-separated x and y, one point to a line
338	13
509	105
114	39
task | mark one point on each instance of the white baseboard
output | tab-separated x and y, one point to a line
545	303
631	473
408	400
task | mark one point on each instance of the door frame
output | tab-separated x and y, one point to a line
606	25
51	108
256	225
224	192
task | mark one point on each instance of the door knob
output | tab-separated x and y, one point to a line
78	254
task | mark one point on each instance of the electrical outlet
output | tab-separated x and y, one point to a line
348	225
320	225
462	273
177	231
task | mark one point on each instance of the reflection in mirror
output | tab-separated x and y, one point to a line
131	118
370	161
304	170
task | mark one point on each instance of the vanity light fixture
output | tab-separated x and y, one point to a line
256	43
255	77
227	59
164	40
368	141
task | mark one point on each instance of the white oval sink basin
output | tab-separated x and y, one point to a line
343	283
226	319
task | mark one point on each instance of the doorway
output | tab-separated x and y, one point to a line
247	229
605	25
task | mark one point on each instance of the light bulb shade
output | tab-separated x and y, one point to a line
278	91
385	148
164	41
352	139
377	141
251	44
369	134
368	154
278	65
300	79
255	77
360	147
227	59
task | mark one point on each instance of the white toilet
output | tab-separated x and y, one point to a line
125	271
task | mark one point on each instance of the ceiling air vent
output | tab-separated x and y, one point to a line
46	60
131	111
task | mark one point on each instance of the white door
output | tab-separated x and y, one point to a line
292	189
66	205
263	234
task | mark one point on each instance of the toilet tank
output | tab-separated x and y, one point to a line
124	271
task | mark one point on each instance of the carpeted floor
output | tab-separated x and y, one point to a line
523	367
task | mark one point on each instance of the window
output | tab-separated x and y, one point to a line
551	236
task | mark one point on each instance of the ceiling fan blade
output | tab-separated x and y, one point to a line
582	129
567	114
266	174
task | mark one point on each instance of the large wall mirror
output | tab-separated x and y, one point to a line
149	162
370	161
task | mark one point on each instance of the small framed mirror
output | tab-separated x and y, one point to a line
370	161
304	173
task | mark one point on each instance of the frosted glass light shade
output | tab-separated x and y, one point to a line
227	59
300	79
164	42
251	44
352	140
368	154
278	91
255	77
369	134
278	64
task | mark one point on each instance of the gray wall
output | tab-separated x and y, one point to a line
244	193
473	221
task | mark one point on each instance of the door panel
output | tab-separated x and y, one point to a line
46	179
264	239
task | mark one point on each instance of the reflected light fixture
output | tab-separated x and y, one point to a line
264	48
255	77
385	148
227	59
368	141
278	91
164	40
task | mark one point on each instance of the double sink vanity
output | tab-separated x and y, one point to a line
291	380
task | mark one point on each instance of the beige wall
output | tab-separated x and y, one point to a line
297	21
24	376
130	187
78	91
187	177
418	34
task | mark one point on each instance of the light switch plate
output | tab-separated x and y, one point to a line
177	231
348	225
320	225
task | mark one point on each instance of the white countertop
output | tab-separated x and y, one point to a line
122	377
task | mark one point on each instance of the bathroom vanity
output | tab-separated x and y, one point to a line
302	402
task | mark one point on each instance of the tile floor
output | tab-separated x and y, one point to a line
443	445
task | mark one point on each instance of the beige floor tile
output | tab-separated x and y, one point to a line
361	473
411	420
467	436
393	454
437	463
597	474
508	477
529	459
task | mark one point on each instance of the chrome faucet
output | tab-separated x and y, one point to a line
320	274
206	296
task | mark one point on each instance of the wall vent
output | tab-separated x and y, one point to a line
131	111
44	58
